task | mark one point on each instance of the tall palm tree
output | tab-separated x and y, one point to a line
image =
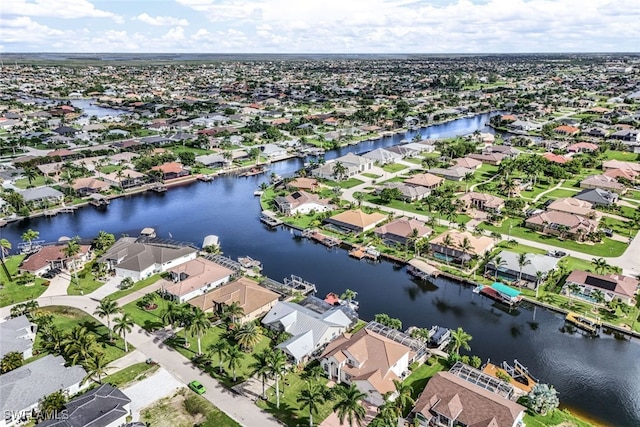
5	247
277	362
447	242
96	366
312	397
219	348
261	368
339	170
497	263
10	361
387	415
123	325
349	295
523	261
598	296
70	251
29	236
234	357
248	336
199	325
107	308
403	400
232	312
466	247
349	405
171	314
460	340
572	289
79	344
185	319
600	265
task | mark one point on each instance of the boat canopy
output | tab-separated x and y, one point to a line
506	290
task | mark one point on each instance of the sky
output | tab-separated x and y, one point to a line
320	26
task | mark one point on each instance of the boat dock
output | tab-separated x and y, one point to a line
159	188
499	292
587	324
64	209
205	178
367	252
421	269
269	218
328	241
249	263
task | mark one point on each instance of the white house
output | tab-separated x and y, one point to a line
17	334
194	278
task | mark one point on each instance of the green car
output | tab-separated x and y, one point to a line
197	387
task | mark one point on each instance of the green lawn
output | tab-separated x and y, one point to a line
393	167
36	182
608	247
419	377
66	318
214	334
150	320
130	374
624	156
347	183
520	249
11	292
413	160
555	418
370	175
560	193
86	283
110	169
136	287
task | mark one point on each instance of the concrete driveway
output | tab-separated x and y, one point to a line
147	391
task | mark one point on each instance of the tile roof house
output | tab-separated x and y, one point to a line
468	163
90	185
53	256
489	159
356	220
302	202
22	389
128	178
171	170
353	163
368	360
574	206
613	286
17	334
310	328
454	173
254	299
629	174
598	197
478	245
303	183
555	158
400	230
408	193
603	182
139	260
194	278
562	224
449	400
510	268
482	201
567	130
383	156
582	147
42	195
105	406
425	180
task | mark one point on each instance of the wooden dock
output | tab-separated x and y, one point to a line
585	323
328	241
159	188
269	218
361	252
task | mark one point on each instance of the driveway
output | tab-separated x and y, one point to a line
147	391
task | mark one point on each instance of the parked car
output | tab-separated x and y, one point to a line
557	254
197	387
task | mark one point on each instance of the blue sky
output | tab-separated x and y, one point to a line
320	26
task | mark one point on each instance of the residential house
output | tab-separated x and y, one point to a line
628	135
17	334
43	196
194	278
382	156
273	151
574	206
303	183
409	193
454	173
105	406
613	286
255	300
85	186
312	324
555	158
567	130
467	163
171	170
139	259
449	401
352	163
482	201
407	151
368	360
355	220
507	150
426	180
22	389
215	160
302	202
617	174
53	256
603	182
597	133
453	251
64	154
126	178
562	224
598	197
535	264
401	230
488	159
582	147
618	164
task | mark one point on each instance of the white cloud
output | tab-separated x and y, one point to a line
161	21
24	30
67	9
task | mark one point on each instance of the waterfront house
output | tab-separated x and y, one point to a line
454	251
22	389
215	160
126	178
574	206
449	400
368	360
454	173
53	256
194	278
382	156
17	334
171	170
603	182
85	186
105	406
301	202
400	230
509	269
481	201
312	324
408	193
255	300
273	151
352	163
598	197
562	224
43	196
303	183
355	220
613	286
407	151
426	180
582	147
141	259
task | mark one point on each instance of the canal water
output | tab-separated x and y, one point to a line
599	377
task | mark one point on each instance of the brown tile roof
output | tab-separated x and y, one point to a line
489	200
479	244
358	218
467	162
467	403
303	183
91	182
572	221
602	181
404	227
168	167
618	164
424	180
622	285
200	271
629	174
246	292
555	158
40	259
574	206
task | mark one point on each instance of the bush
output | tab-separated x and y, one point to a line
414	366
195	405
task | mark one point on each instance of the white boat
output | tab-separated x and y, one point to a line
258	193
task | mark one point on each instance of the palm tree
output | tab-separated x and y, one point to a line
497	263
465	247
572	289
232	312
261	368
600	265
185	319
277	360
349	295
403	400
199	325
70	251
171	315
10	361
349	405
31	174
312	397
598	296
339	170
387	415
359	196
523	261
248	336
234	357
29	236
460	340
219	348
124	325
96	366
107	308
5	246
468	177
447	242
103	240
79	344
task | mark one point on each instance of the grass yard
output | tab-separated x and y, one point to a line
150	320
110	169
130	374
560	193
136	287
370	175
38	181
558	417
623	156
519	248
419	377
185	409
393	167
12	292
66	318
347	183
86	283
413	160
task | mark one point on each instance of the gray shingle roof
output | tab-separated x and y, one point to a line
40	193
134	256
13	335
